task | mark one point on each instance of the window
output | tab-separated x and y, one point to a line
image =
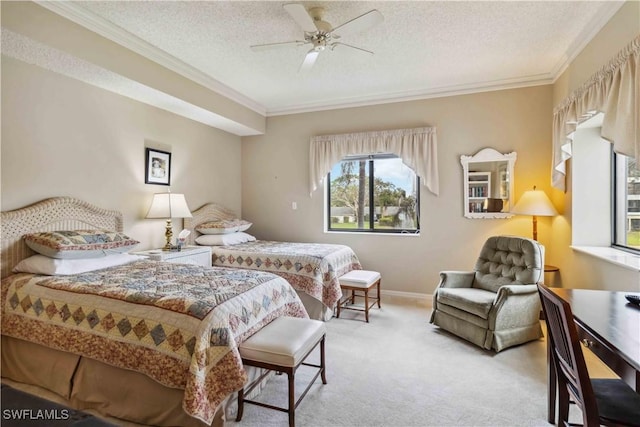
626	204
383	179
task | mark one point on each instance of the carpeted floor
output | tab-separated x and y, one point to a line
399	370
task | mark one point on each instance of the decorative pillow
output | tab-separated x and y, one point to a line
79	243
223	226
40	264
217	227
224	239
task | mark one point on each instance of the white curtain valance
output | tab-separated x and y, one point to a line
416	147
614	91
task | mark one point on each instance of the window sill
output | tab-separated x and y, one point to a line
612	255
365	233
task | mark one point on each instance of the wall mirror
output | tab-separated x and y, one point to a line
488	184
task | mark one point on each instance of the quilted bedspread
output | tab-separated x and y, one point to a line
312	268
179	324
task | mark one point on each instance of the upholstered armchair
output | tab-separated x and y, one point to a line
497	304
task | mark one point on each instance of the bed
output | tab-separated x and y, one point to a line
312	269
161	335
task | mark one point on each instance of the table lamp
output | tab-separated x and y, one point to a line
536	203
167	206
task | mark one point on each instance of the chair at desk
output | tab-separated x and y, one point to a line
609	402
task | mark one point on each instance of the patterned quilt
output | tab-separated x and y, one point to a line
312	268
179	324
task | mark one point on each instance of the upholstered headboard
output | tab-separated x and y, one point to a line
56	213
206	213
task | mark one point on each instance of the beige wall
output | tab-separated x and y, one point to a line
579	270
63	137
275	173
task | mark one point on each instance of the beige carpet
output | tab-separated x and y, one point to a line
399	370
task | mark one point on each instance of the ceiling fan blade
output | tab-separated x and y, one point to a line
299	14
337	44
361	23
269	46
309	60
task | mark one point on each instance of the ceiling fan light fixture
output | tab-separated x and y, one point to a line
319	44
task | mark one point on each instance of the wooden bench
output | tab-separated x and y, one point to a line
359	281
282	346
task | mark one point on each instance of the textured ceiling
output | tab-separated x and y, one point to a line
422	48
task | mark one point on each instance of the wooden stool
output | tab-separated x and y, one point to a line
359	281
282	346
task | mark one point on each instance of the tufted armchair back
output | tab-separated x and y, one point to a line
509	260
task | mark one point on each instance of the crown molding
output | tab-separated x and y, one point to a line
395	97
101	26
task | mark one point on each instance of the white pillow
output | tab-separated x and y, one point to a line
40	264
224	239
243	225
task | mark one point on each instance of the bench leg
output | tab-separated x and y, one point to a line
292	400
379	280
323	365
240	404
366	305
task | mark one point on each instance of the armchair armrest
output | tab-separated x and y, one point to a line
515	305
451	279
456	279
506	290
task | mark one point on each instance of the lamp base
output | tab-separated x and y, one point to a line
168	234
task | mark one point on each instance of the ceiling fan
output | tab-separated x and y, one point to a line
320	34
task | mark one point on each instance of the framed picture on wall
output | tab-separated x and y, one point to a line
157	169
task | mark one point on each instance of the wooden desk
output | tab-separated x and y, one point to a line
610	327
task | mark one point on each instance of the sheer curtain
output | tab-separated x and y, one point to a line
614	91
416	147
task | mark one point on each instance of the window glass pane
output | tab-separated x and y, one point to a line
627	202
384	179
394	195
349	195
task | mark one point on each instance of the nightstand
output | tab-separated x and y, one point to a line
199	255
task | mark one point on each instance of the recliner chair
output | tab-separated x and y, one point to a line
496	305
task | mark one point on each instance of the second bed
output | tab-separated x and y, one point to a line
312	269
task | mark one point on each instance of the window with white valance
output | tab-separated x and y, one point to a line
614	91
416	147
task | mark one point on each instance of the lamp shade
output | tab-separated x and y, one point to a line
534	202
168	205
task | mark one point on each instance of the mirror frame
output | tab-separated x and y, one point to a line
488	155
